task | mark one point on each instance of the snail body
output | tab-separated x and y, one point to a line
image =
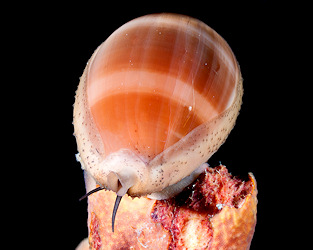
155	101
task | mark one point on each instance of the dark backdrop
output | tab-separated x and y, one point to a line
53	43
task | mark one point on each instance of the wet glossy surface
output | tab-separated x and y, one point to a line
155	79
145	123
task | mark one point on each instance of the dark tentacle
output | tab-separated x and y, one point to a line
91	192
117	203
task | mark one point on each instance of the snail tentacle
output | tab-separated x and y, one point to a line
116	204
90	192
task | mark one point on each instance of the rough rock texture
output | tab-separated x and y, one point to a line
217	211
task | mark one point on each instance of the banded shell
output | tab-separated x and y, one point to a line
156	100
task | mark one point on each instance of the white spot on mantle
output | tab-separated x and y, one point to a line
78	158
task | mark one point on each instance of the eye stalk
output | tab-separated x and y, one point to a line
116	204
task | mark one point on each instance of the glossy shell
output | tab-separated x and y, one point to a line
156	100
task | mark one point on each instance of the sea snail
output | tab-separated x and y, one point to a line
155	101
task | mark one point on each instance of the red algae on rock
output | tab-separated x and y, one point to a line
212	191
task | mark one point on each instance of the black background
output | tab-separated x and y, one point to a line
52	44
